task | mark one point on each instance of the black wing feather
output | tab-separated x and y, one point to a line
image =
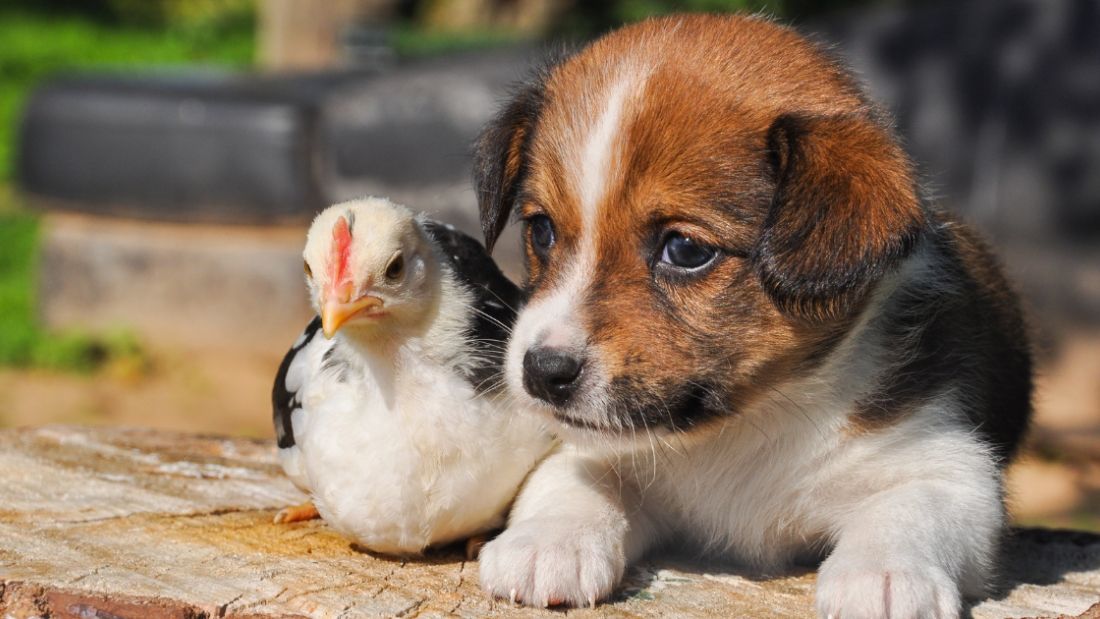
496	299
284	402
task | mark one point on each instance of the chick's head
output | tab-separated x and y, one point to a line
369	267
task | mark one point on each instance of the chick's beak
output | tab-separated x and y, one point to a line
334	312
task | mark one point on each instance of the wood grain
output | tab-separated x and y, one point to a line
127	523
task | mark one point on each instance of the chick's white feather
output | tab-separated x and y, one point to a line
388	430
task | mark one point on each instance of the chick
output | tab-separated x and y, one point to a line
388	409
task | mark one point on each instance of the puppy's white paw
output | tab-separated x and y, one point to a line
870	589
546	563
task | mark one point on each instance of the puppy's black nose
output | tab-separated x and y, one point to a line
552	374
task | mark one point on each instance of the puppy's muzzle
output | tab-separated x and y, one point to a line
552	375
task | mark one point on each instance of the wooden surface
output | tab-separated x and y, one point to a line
115	523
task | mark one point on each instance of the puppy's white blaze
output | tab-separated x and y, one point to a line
599	157
555	319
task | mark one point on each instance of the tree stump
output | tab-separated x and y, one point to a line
126	523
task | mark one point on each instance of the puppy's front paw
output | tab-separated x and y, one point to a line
545	563
870	588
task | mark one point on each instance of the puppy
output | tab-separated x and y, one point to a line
756	338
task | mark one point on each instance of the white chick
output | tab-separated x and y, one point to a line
389	409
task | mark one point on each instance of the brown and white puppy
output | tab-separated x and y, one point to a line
755	334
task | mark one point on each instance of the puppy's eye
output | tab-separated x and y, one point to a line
683	253
309	271
541	230
396	266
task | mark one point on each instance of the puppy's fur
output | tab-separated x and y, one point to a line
844	380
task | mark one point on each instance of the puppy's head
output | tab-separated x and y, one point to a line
706	203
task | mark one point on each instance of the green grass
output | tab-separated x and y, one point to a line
18	242
23	343
410	42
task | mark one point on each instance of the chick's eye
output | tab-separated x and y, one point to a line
683	253
396	267
541	230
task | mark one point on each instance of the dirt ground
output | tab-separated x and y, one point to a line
1056	482
227	392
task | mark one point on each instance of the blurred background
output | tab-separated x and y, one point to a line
160	159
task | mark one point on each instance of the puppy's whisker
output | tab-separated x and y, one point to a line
801	410
507	328
500	300
653	457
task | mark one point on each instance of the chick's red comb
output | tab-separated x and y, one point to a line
341	248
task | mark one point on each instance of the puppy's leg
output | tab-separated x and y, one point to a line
571	534
913	551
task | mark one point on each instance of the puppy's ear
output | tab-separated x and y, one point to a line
500	158
845	212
